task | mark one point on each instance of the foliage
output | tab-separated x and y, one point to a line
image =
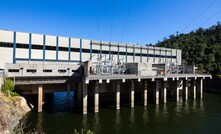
8	88
201	47
83	132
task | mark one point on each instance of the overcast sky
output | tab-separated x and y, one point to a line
123	21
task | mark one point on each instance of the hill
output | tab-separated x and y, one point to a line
201	47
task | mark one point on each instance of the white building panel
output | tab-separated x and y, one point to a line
50	40
36	54
6	36
50	55
75	43
129	58
86	44
129	49
75	56
85	56
37	39
137	50
62	55
8	56
105	47
114	48
137	59
22	53
22	38
63	42
122	49
96	46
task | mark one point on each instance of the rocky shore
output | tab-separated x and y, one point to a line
12	109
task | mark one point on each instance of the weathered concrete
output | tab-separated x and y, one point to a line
163	92
40	97
117	92
199	87
193	88
145	92
96	97
85	95
185	89
132	94
156	91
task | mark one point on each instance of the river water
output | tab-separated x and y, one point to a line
184	117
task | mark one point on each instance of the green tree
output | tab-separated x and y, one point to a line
8	88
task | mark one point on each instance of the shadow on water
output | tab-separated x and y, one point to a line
192	116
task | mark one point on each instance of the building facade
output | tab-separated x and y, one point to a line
21	47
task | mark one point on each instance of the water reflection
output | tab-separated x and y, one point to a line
145	115
165	112
186	106
117	121
132	119
84	122
157	112
96	124
40	122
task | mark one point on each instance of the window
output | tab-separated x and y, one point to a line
62	71
31	70
3	44
47	70
13	70
37	47
22	45
50	48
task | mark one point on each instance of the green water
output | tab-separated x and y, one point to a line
187	117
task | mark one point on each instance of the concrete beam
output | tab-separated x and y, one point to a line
96	97
132	94
40	97
85	94
145	92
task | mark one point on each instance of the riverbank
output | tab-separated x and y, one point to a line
12	109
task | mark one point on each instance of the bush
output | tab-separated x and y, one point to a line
8	88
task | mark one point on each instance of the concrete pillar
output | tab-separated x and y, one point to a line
84	98
176	89
193	88
40	97
163	92
132	94
145	92
200	87
96	97
156	92
185	90
117	94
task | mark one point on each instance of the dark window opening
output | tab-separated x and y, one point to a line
47	70
3	44
13	70
31	70
18	45
37	47
62	71
62	48
50	48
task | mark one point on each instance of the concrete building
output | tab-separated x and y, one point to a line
37	62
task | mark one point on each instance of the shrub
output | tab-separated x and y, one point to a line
8	88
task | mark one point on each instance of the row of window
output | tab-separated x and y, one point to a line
34	70
54	48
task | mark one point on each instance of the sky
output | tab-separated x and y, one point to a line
120	21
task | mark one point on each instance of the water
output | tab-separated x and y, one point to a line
192	116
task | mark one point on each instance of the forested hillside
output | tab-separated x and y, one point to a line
201	47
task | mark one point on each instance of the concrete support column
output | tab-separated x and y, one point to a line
84	98
185	90
176	89
193	88
145	92
200	87
132	94
40	97
163	92
156	92
117	94
96	97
